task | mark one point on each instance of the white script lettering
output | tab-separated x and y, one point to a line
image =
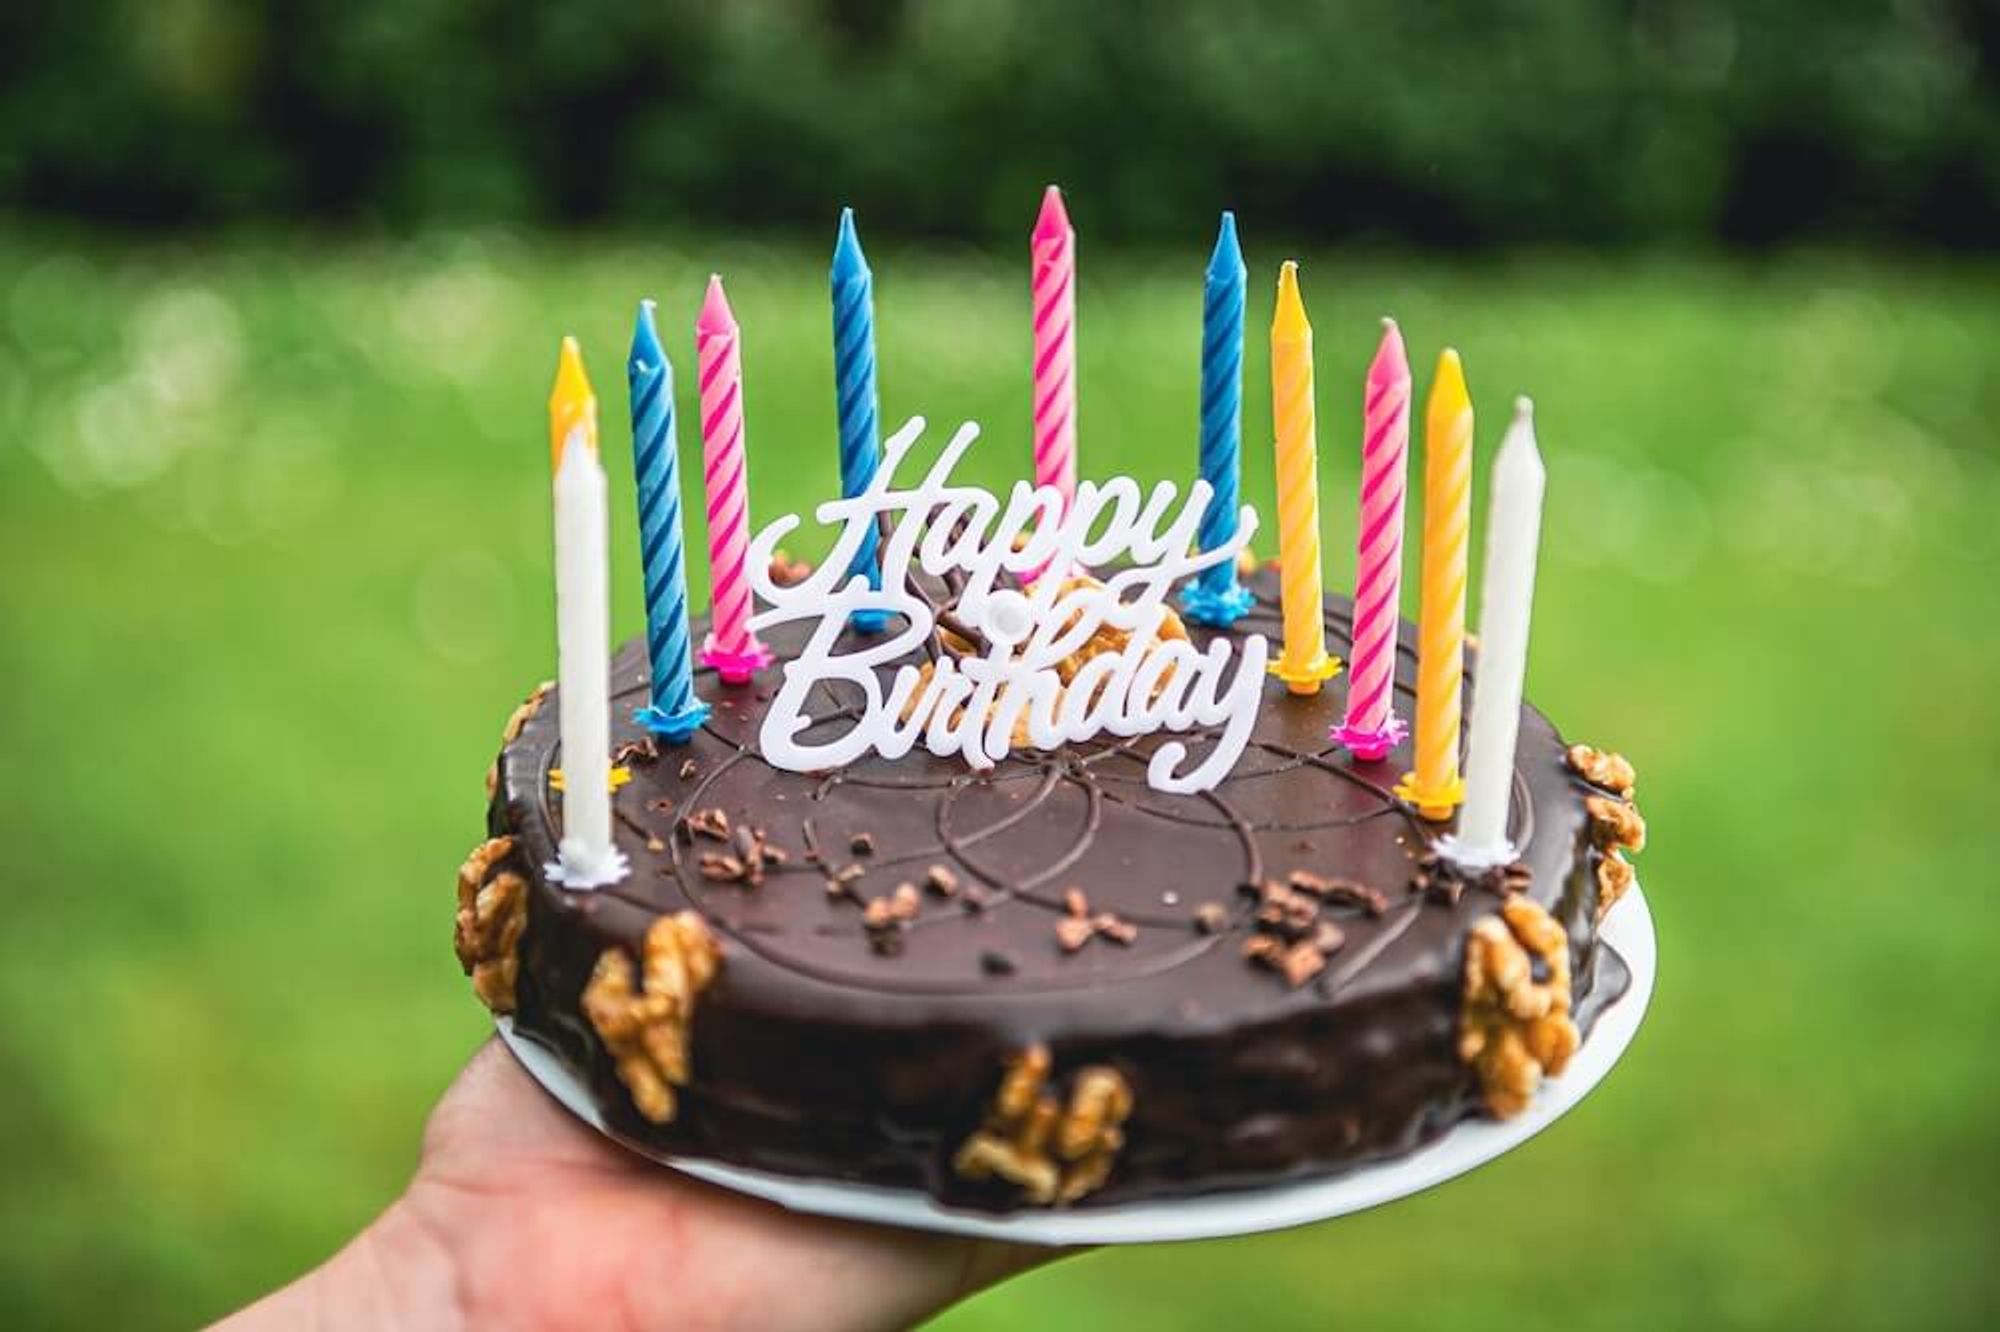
1008	561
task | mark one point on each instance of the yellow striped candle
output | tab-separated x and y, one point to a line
1436	788
1304	662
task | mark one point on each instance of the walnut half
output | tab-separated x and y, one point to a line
1616	826
1614	876
1056	1154
492	914
1601	767
1515	1029
643	1015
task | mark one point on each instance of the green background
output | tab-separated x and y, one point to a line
280	288
273	521
1503	121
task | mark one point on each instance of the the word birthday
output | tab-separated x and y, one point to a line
1008	563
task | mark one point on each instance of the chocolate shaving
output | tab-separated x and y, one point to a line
716	865
861	844
786	571
750	854
688	770
1211	918
840	883
712	822
1291	938
642	752
886	917
941	881
1306	881
1340	892
1114	927
1291	914
1446	882
1079	927
1262	948
1300	963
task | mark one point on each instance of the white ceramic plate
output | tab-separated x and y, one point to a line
1628	929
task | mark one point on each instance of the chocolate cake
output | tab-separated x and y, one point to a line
1047	984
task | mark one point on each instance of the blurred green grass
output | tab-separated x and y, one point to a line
274	531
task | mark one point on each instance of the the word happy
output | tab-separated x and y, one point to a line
1012	557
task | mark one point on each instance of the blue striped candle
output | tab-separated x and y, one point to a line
854	394
1217	598
675	713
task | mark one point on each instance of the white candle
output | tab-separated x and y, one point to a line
586	857
1513	531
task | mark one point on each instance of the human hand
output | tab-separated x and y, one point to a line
520	1216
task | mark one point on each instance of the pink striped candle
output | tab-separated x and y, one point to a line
730	648
1371	728
1053	246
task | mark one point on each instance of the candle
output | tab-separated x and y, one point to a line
1053	287
586	856
1507	591
1436	788
1371	728
1304	662
674	713
854	396
731	648
1217	598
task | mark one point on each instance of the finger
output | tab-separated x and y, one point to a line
493	1113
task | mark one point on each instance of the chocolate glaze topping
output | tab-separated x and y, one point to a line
828	1048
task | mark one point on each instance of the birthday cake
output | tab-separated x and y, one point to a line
966	863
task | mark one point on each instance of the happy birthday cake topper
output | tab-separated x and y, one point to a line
1011	600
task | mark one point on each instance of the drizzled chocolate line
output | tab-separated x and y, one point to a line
1391	928
1054	775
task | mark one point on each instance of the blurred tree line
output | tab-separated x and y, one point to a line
1589	121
